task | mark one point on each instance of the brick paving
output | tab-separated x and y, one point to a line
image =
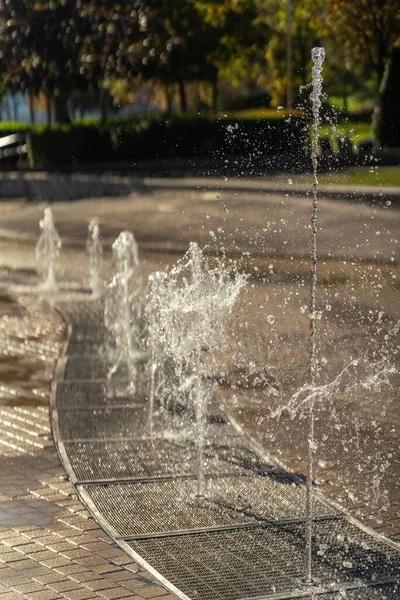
50	547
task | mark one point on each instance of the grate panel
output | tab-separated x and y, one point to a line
81	314
165	506
84	367
84	394
247	563
85	346
102	423
80	393
157	458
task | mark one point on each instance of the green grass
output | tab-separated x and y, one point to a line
354	102
380	176
355	131
261	113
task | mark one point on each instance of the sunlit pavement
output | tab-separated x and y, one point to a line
39	514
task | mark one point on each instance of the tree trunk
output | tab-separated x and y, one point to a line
48	110
345	98
214	95
61	109
8	109
103	105
182	97
31	109
15	107
168	100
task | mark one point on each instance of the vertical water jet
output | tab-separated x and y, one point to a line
47	249
318	56
95	250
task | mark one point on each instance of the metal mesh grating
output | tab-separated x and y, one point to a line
78	367
165	506
84	394
85	345
244	563
82	314
80	393
157	458
102	423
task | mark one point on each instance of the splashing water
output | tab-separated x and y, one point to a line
349	378
186	315
95	249
318	56
47	249
121	316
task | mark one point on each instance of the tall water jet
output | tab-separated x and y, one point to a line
121	315
318	56
47	249
95	250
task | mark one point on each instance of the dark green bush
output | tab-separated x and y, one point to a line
201	137
68	145
155	137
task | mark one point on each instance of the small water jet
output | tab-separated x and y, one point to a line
47	250
121	316
95	250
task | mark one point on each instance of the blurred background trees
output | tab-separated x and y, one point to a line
71	58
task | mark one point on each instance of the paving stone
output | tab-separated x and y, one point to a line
115	593
98	584
24	588
81	594
43	595
22	565
64	586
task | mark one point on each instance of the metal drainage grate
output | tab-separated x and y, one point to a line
78	367
103	423
139	459
170	506
82	314
80	394
246	563
75	394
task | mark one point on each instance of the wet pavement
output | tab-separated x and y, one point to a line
358	434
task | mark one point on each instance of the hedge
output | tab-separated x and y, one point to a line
163	138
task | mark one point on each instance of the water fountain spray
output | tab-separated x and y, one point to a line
155	299
95	249
121	314
318	56
186	312
47	249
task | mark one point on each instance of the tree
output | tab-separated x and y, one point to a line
367	29
40	43
386	118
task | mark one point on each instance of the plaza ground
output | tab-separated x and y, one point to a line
358	450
